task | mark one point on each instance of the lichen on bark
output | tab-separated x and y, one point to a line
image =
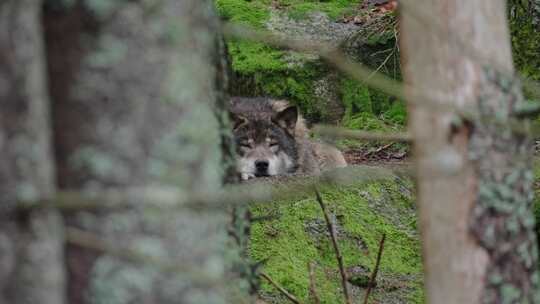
31	243
502	219
137	102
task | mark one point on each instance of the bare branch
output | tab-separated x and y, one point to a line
375	270
337	132
162	199
372	152
283	291
339	257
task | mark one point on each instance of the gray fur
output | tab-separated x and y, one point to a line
272	132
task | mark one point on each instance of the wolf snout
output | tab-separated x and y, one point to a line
261	167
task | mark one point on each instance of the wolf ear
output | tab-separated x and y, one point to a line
287	118
237	120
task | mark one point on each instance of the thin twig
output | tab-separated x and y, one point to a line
312	288
382	64
283	291
378	149
375	270
339	257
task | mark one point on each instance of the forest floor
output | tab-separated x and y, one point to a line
294	233
382	155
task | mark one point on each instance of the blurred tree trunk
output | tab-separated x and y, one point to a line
138	99
31	243
474	178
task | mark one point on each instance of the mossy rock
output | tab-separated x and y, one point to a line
335	9
259	70
296	235
253	13
375	46
323	94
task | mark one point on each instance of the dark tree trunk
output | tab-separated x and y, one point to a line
137	103
31	243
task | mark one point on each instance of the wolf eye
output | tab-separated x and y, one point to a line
273	144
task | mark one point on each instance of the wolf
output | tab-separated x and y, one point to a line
272	139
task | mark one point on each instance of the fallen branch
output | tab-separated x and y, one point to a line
339	257
375	270
367	154
283	291
312	288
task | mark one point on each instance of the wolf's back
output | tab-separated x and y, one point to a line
316	156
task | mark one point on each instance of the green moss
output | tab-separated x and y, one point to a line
251	57
355	97
365	121
525	45
257	12
381	102
299	9
370	109
264	71
254	13
397	113
298	236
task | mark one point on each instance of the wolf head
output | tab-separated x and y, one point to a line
265	144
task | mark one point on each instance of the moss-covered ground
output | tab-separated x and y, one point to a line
263	70
297	235
256	12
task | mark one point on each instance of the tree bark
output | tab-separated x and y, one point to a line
534	7
138	102
474	181
31	243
